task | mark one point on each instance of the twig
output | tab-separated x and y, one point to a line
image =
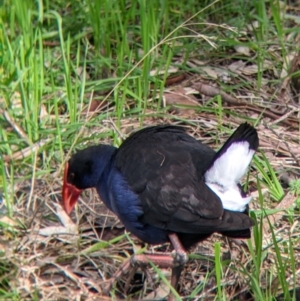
15	126
213	91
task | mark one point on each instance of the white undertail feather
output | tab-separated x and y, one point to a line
226	173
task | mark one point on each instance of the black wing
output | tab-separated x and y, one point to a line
165	167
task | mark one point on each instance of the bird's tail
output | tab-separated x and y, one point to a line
233	159
230	164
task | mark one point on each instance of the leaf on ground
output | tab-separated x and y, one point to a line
254	25
16	104
162	291
294	71
44	113
160	71
210	71
68	225
56	230
95	106
243	50
82	73
255	194
109	233
27	151
237	67
179	96
8	222
287	202
254	69
290	65
64	217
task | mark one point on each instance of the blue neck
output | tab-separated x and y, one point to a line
103	188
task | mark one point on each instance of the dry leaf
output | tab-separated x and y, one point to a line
68	225
253	69
156	72
290	65
80	72
56	230
211	72
64	217
242	50
237	67
162	291
43	112
179	97
16	104
8	221
286	203
23	153
295	66
253	25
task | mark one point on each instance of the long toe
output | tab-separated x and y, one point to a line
122	270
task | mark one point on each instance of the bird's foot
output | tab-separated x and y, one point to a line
122	270
140	261
180	258
176	260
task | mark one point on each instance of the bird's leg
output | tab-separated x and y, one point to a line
179	260
163	260
176	271
181	257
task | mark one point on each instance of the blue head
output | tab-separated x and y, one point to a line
83	171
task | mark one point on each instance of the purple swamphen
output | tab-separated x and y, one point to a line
165	186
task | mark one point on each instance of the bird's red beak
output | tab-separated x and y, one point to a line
70	193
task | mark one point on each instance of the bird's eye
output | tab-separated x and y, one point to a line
71	176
